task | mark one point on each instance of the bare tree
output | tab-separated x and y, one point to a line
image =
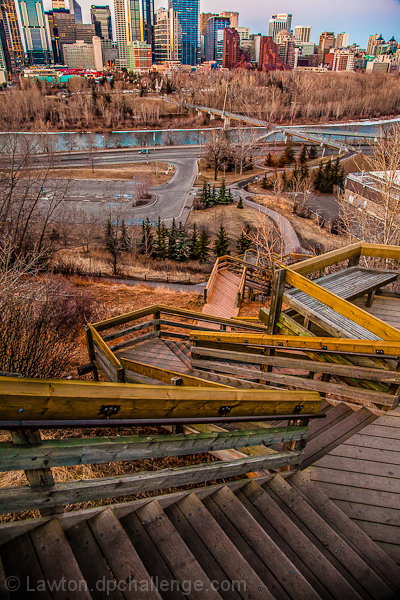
217	150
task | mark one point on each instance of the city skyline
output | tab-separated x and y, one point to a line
375	16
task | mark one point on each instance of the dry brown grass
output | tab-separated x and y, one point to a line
156	173
307	229
233	219
207	175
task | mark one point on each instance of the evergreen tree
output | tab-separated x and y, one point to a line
240	203
288	154
146	244
181	244
303	155
304	172
327	183
243	243
269	161
112	242
203	246
229	197
264	182
319	177
172	241
124	239
221	244
312	152
160	247
205	193
296	174
250	166
193	246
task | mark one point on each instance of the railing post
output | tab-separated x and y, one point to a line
278	287
157	317
36	477
92	358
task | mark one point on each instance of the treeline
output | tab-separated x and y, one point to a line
175	243
294	97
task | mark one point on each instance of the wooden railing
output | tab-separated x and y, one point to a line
236	265
363	371
29	405
166	322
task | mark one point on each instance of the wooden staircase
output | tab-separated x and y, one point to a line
283	540
222	298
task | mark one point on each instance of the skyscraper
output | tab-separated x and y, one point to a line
64	28
134	21
167	36
342	40
372	44
278	22
233	16
12	33
38	47
75	9
101	19
231	48
189	18
326	42
215	38
302	33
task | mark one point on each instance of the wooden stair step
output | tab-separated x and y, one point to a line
150	556
362	578
122	557
374	556
333	415
175	552
58	562
223	550
313	565
336	435
20	561
291	582
92	563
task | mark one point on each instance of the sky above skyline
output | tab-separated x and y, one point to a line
357	18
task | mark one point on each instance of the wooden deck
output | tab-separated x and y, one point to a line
349	284
362	477
384	307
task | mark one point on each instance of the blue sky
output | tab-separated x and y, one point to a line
358	18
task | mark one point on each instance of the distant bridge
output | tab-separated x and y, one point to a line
320	137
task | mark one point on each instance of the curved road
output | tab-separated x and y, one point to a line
96	197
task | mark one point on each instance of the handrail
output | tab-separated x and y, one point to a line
104	348
318	263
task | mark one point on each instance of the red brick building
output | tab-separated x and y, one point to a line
231	48
270	59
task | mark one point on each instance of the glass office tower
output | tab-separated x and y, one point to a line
35	32
189	18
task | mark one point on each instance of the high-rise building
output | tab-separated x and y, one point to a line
302	33
286	42
343	60
278	22
233	16
101	19
215	38
203	21
109	49
231	48
139	56
64	28
56	4
85	32
37	43
75	9
14	45
269	55
134	21
372	44
189	17
326	42
84	56
342	40
167	36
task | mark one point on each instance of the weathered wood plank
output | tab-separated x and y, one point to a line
78	451
165	375
98	340
366	467
367	454
358	480
344	308
361	395
24	498
302	364
372	514
58	399
318	263
126	566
